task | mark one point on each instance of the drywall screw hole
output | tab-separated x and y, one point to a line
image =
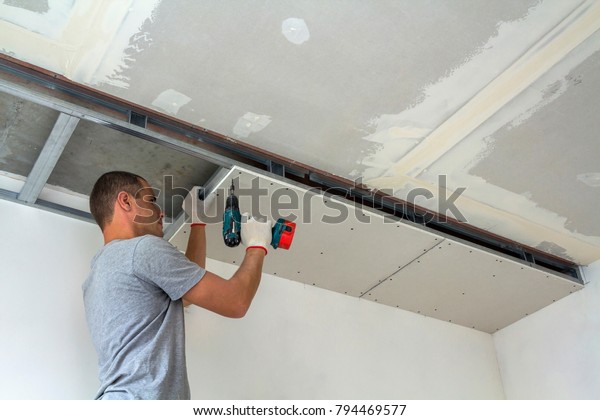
298	272
351	228
345	293
313	284
435	309
185	231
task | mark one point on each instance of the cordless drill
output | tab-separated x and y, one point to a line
282	232
232	220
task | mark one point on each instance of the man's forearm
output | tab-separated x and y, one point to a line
250	272
196	249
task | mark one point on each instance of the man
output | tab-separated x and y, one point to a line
134	295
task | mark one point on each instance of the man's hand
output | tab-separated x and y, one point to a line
195	208
255	234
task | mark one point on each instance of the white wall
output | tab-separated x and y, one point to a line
297	342
302	342
555	353
45	350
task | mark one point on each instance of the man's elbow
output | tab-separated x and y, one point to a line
239	309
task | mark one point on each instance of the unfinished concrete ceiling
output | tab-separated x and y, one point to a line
494	102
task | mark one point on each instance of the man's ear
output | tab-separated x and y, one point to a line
124	201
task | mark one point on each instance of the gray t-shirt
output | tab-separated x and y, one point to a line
134	312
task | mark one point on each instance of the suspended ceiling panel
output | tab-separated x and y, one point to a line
498	97
333	247
365	254
468	286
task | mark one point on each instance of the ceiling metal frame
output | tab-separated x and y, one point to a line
48	157
78	101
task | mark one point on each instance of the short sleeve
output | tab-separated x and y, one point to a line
158	262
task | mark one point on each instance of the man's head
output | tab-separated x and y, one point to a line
131	197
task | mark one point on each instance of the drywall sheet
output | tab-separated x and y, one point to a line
336	247
364	254
472	287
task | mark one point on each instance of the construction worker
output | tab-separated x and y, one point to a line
135	292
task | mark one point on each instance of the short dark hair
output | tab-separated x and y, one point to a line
105	191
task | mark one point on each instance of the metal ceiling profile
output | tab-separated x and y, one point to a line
76	102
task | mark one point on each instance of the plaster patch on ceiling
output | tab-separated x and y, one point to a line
86	41
171	101
479	145
127	41
441	99
591	179
483	104
295	30
45	18
250	123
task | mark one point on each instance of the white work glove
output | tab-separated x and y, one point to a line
196	209
255	234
